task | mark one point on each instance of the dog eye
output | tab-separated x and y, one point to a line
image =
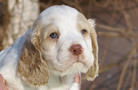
53	35
83	31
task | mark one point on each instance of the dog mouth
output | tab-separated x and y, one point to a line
73	64
77	66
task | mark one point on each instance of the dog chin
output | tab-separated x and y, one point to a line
73	69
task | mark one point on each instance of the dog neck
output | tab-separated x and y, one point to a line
66	81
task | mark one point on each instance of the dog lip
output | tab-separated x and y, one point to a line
69	65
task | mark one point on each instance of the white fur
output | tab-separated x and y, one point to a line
62	65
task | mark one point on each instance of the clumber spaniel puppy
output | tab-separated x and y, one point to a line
61	44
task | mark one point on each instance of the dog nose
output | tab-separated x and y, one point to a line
76	49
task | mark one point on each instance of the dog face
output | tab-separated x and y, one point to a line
62	42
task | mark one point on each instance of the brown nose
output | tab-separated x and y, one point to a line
76	49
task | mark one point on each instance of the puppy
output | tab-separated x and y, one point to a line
61	44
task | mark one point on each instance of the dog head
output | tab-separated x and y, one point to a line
62	42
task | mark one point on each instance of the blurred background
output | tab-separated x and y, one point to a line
116	26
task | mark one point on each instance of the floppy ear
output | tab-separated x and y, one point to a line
32	68
92	73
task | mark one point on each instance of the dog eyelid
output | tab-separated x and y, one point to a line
83	31
53	35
